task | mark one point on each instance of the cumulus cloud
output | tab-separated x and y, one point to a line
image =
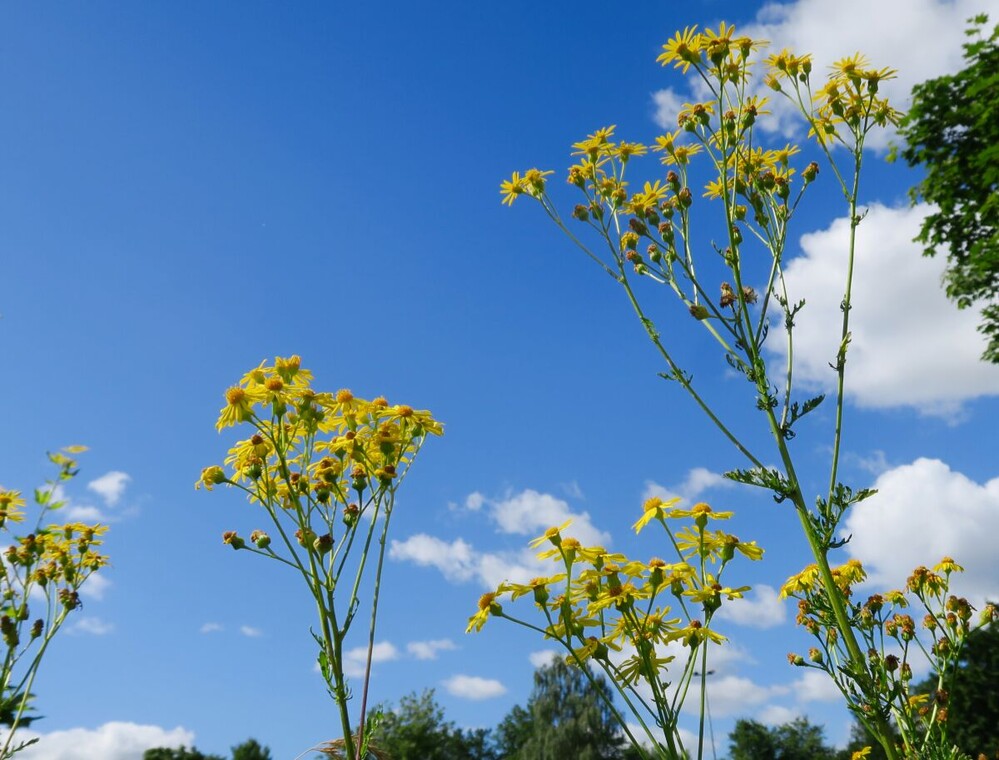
428	650
668	104
355	660
731	695
530	512
760	608
899	308
458	561
816	686
698	480
90	625
110	486
830	31
922	512
95	587
116	740
473	687
777	715
527	513
543	657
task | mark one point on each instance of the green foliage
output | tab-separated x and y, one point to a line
952	130
567	716
182	753
797	740
973	699
251	750
417	730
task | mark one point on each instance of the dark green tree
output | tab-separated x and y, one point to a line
952	130
567	716
251	750
417	730
173	753
797	740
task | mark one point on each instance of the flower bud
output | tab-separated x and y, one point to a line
230	537
261	539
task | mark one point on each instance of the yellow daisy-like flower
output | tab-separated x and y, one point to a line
803	582
595	144
861	753
513	187
553	534
683	50
654	508
947	565
487	606
239	405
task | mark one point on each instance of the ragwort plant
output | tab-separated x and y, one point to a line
45	568
325	469
646	237
617	615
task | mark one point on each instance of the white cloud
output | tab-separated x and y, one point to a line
211	628
816	686
250	632
698	480
84	513
458	560
777	715
527	513
93	626
668	103
530	513
95	587
760	608
116	740
922	512
920	38
899	310
110	486
473	687
543	657
730	695
355	660
427	650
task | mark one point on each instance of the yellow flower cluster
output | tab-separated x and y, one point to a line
601	601
314	450
879	619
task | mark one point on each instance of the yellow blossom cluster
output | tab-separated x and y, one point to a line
881	621
601	602
313	446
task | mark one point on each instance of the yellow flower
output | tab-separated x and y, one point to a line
239	406
595	144
683	50
10	503
947	565
487	606
653	509
512	187
802	582
861	753
552	534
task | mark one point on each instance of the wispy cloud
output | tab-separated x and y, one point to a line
473	687
250	631
428	650
92	626
211	628
110	486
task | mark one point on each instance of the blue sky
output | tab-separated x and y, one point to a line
187	189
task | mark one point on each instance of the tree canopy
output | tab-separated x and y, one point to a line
952	130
